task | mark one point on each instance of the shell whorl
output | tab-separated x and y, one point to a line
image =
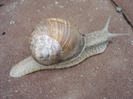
45	49
55	40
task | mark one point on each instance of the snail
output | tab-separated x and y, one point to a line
56	43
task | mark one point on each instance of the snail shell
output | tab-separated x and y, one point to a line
55	40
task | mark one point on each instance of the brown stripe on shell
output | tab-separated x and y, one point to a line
64	32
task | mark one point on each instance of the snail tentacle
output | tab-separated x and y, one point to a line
107	24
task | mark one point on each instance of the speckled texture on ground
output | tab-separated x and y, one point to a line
127	8
105	76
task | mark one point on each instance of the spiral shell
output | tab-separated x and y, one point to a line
55	40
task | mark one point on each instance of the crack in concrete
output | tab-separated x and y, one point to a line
119	10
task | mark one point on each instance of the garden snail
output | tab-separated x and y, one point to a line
56	43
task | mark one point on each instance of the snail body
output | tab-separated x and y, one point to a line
55	43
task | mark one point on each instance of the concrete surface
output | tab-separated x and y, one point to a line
127	8
105	76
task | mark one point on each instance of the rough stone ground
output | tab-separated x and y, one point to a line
126	6
105	76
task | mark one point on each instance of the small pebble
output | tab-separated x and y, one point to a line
9	80
61	6
81	75
51	91
132	42
16	91
12	22
40	90
56	2
81	9
118	9
43	7
38	10
22	1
